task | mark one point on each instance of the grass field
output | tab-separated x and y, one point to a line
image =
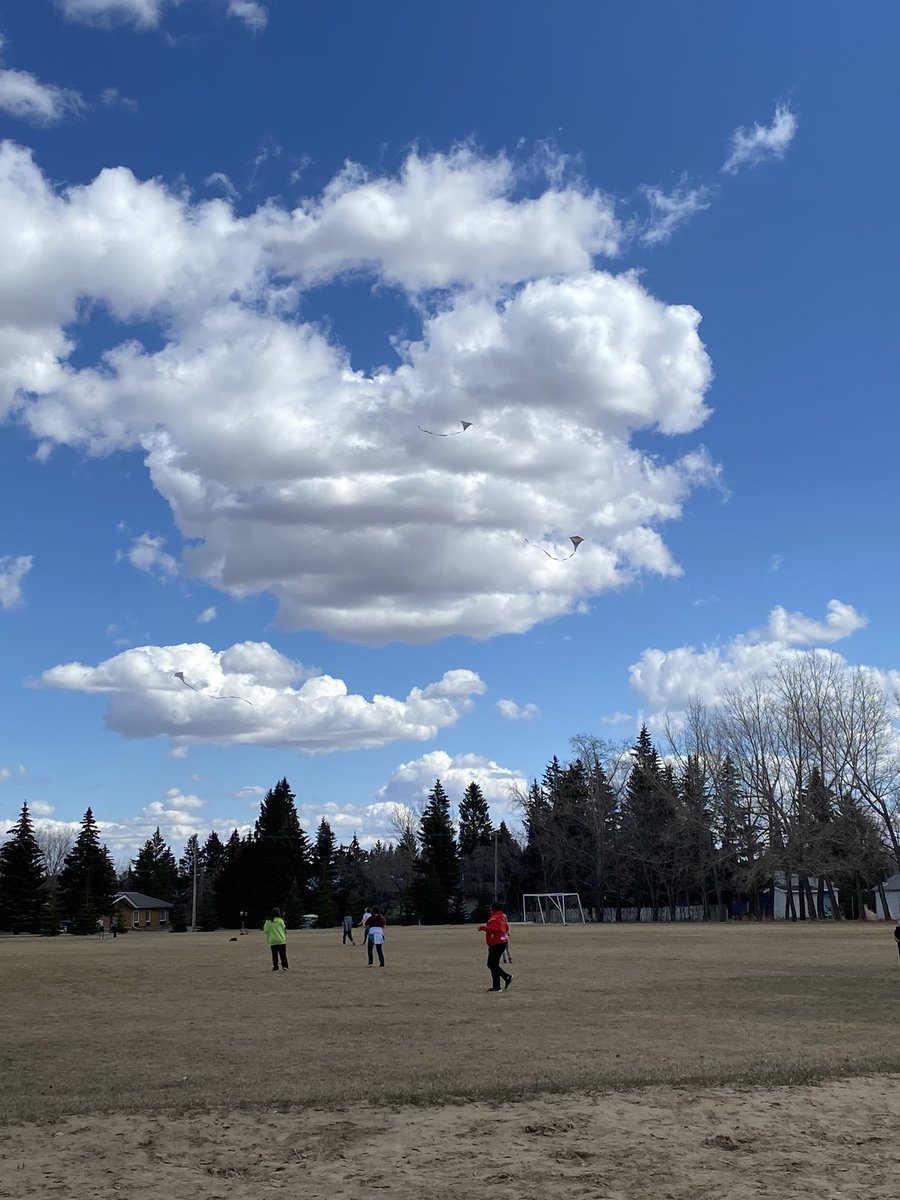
194	1021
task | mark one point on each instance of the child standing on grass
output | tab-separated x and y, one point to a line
376	936
347	925
275	936
496	932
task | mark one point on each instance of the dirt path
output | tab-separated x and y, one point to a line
835	1141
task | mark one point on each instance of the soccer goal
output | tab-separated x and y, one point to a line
560	907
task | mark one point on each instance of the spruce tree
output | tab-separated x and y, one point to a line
437	870
88	881
21	875
155	871
324	876
475	828
280	857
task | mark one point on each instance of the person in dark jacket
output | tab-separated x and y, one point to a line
897	934
496	934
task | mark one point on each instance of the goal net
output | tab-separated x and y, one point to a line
543	908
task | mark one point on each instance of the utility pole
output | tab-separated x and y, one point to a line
495	865
194	895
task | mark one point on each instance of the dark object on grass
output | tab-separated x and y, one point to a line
232	939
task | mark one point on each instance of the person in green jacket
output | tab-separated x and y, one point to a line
275	936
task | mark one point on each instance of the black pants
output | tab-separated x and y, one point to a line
497	973
377	946
279	952
348	933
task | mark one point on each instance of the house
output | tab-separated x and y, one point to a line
891	890
134	910
778	908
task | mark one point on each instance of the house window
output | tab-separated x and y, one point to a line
162	916
136	918
146	916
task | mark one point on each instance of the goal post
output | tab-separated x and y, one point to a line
562	908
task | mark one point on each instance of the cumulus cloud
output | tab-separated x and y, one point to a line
317	717
616	718
410	783
23	95
795	629
147	554
669	210
12	571
208	614
290	471
752	146
515	712
669	679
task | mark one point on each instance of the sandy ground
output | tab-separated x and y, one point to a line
834	1141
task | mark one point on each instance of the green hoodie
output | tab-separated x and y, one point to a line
274	931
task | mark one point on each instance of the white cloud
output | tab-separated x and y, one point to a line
12	572
179	752
251	12
147	554
514	712
795	629
274	453
112	98
668	679
40	808
752	146
5	774
410	783
208	614
147	14
616	718
318	717
23	95
669	210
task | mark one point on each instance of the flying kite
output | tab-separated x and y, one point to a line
574	539
456	432
180	675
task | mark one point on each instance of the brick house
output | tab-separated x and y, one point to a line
134	910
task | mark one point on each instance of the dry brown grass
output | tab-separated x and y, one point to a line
171	1023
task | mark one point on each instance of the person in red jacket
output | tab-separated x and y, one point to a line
496	933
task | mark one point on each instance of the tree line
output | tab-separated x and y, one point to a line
792	779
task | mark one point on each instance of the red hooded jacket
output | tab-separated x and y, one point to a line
496	930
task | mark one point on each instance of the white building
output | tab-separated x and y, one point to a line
891	889
780	906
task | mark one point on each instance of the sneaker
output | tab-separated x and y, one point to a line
509	980
493	991
285	968
274	968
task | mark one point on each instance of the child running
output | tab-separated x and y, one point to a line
347	926
496	932
275	936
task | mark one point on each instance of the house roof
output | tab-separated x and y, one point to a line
139	900
892	884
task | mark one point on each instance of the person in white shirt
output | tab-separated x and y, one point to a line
376	936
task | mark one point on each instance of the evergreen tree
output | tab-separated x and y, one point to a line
647	826
212	856
279	860
228	888
475	828
88	881
324	874
21	875
155	872
437	870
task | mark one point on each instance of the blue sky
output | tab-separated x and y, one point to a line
248	246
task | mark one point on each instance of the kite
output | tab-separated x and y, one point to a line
574	539
180	675
465	425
